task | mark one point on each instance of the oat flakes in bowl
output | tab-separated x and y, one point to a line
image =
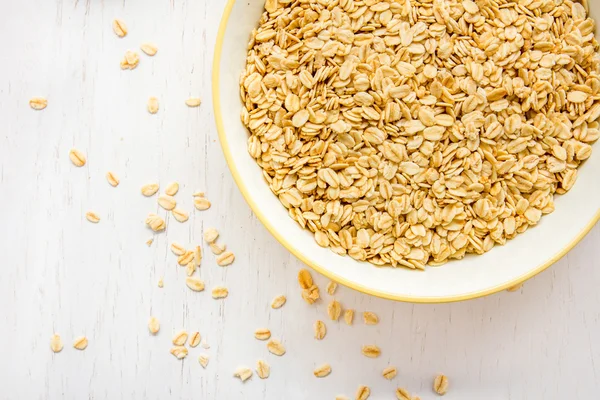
411	133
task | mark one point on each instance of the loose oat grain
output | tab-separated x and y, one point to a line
153	325
311	294
210	235
220	292
112	179
150	189
278	301
389	373
178	249
56	343
197	256
130	60
225	259
371	351
149	242
403	394
180	337
244	373
320	330
275	347
180	215
363	393
149	48
160	283
194	339
80	343
370	318
334	310
201	203
179	352
77	157
167	202
349	316
203	359
172	189
331	288
186	258
119	27
262	334
263	370
152	105
322	371
217	248
155	222
92	217
196	284
193	102
38	103
305	279
440	384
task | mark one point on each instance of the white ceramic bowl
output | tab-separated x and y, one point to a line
474	276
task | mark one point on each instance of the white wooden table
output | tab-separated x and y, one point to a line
63	274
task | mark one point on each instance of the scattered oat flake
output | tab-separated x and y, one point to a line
331	288
262	334
305	279
150	189
440	384
130	60
149	48
194	339
244	373
155	222
278	301
177	249
180	352
220	292
196	284
334	310
371	351
180	215
172	189
119	28
204	344
197	256
152	105
56	343
363	393
275	347
201	203
77	157
38	103
322	371
225	259
217	249
167	202
403	394
179	338
161	283
349	316
92	217
311	294
149	241
80	343
190	268
320	330
341	397
198	193
263	370
203	360
193	102
210	235
389	373
370	318
112	179
186	258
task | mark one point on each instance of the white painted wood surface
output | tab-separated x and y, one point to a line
63	274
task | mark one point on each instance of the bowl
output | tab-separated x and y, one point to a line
474	276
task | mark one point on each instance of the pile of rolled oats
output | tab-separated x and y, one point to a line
411	132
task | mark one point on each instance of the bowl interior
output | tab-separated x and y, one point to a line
474	276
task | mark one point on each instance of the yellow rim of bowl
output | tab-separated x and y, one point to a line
241	185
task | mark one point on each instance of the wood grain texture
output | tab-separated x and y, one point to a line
63	274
